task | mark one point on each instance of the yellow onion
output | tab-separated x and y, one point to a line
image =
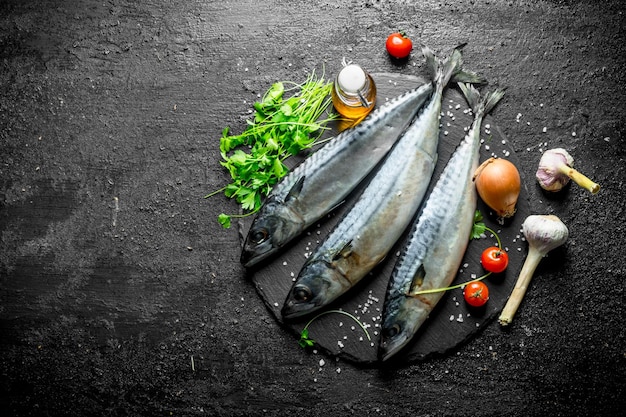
498	184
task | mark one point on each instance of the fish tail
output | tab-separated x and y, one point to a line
442	72
481	106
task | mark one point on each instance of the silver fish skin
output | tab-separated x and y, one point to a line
326	177
438	239
381	214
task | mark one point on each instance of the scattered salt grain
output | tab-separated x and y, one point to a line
322	362
452	317
460	318
573	133
545	129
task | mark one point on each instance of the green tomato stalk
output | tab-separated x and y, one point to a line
543	233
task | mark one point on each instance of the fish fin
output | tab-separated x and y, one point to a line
344	252
466	76
431	61
451	68
418	280
479	106
295	189
493	98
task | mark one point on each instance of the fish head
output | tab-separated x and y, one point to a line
275	225
402	320
317	285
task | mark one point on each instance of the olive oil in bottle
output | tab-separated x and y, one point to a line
354	92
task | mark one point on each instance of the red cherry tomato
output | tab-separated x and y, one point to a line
494	259
399	45
476	293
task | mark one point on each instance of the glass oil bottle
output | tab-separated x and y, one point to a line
354	93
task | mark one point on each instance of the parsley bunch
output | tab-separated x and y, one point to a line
281	127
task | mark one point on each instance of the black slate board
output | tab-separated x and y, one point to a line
452	322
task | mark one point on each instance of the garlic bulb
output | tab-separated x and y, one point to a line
555	170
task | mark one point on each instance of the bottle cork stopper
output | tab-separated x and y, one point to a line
351	78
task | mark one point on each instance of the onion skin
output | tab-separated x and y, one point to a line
498	184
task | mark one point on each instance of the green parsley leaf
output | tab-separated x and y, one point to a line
280	127
479	227
224	220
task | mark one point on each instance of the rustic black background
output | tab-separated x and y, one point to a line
121	295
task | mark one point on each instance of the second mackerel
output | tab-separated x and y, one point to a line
438	239
369	230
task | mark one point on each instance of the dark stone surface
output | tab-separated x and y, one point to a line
121	295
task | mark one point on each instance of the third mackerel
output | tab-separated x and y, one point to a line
438	240
365	235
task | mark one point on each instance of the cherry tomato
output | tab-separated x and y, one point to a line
476	293
494	259
399	45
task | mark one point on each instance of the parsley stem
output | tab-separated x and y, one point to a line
434	290
338	312
215	192
496	235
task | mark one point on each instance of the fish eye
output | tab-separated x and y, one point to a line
259	235
302	293
392	331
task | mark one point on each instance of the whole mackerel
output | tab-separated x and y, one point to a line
438	238
324	179
365	235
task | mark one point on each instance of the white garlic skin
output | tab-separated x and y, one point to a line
544	232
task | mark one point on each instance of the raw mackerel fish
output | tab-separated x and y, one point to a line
365	235
323	180
438	238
